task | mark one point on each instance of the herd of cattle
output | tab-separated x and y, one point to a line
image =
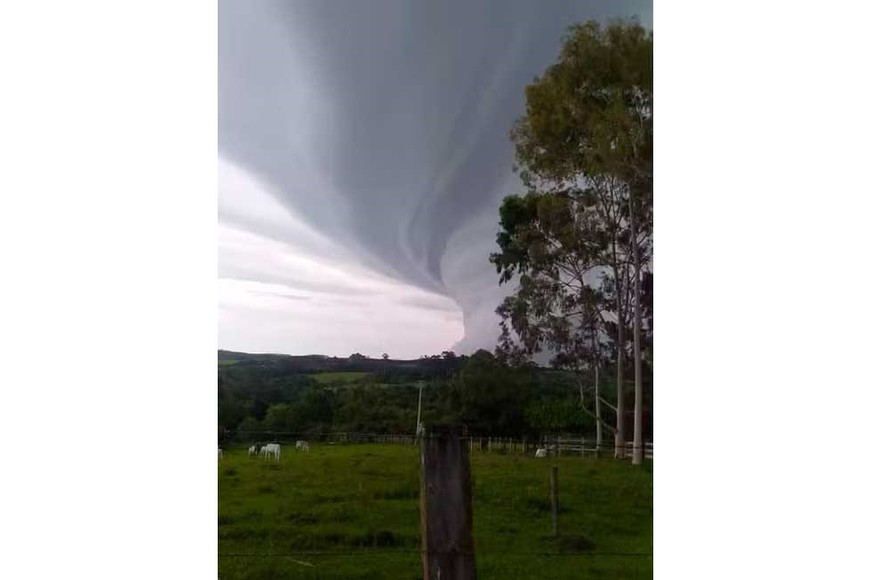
269	450
274	450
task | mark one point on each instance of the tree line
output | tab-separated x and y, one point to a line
485	393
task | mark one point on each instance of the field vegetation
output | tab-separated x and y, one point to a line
352	511
340	378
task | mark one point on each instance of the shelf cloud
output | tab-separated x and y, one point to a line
363	153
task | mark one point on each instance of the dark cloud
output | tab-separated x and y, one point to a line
401	111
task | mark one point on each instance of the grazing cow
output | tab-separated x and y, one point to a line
272	449
302	446
220	453
541	453
252	450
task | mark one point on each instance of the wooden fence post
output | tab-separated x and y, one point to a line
554	499
445	506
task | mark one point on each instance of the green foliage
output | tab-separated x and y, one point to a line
280	417
340	378
250	424
584	154
484	393
490	396
377	409
558	416
314	409
231	412
591	112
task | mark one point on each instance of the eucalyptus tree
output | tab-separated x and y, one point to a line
580	238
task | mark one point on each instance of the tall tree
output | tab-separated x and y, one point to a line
581	237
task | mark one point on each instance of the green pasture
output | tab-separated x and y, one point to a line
351	511
338	378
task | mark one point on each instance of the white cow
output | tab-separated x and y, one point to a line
302	446
220	453
252	450
272	449
541	452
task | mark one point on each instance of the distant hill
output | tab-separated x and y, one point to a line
233	355
353	364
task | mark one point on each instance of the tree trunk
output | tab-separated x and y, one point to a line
619	451
613	222
597	403
637	455
598	433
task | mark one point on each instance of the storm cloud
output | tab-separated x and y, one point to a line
363	149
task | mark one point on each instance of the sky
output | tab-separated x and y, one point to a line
363	152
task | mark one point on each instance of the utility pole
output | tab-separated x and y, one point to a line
419	408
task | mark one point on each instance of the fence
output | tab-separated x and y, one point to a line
555	445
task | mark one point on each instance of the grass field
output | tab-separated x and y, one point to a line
339	377
352	512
